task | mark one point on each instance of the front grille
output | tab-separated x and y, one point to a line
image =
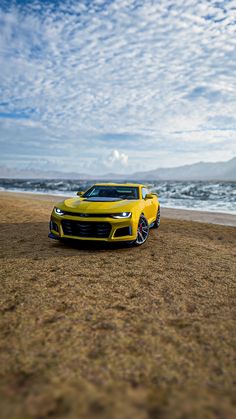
86	229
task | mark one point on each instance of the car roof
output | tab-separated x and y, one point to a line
119	184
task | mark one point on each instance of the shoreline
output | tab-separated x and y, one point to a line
209	217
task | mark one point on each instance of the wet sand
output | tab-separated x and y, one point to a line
201	216
92	331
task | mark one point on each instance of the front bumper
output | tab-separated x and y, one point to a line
97	229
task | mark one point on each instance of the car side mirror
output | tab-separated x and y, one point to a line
148	196
80	193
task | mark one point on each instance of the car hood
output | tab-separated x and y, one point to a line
101	205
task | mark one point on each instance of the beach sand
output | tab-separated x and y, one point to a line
90	331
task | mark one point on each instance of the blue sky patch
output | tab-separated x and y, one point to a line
116	85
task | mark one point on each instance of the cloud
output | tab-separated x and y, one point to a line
115	161
116	158
140	71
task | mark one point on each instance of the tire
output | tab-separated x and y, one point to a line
142	232
157	221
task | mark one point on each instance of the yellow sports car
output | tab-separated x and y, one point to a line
108	212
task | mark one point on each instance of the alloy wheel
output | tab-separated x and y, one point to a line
158	219
143	230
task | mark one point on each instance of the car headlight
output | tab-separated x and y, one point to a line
58	211
121	215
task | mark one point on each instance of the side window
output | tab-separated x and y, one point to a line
144	193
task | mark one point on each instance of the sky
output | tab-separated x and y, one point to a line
99	86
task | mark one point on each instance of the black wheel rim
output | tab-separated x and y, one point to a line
158	217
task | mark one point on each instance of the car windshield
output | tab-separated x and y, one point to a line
116	192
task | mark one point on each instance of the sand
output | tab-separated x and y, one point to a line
92	331
202	216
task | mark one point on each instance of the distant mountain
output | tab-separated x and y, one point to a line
5	172
225	171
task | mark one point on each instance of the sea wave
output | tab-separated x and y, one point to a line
202	196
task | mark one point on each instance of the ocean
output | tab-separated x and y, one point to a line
202	196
